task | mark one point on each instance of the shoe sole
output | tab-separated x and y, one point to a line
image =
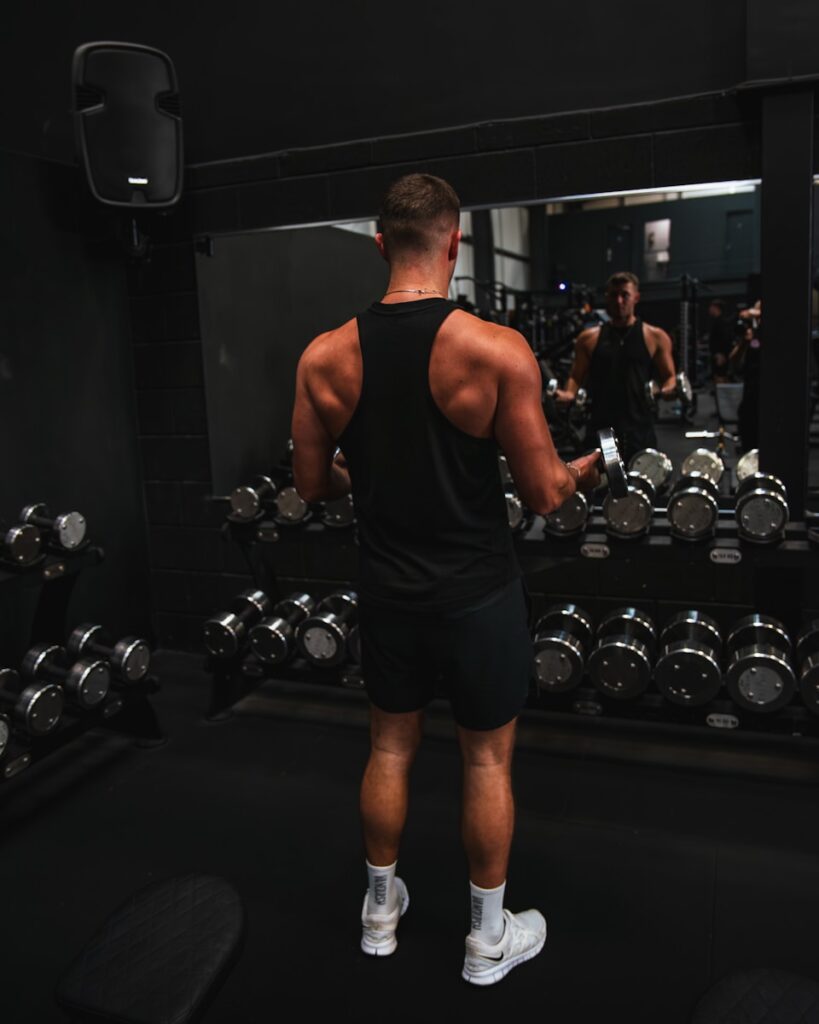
386	948
492	977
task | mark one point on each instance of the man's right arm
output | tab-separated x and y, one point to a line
580	367
542	479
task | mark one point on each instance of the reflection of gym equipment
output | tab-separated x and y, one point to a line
247	502
761	508
562	637
759	676
748	464
693	507
620	664
688	669
683	392
655	466
703	460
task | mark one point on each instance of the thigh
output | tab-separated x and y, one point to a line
486	658
395	664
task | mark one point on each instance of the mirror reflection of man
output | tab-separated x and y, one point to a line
614	361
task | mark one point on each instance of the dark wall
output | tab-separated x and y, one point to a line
67	404
263	296
276	76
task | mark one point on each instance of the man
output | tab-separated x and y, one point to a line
615	361
720	340
418	394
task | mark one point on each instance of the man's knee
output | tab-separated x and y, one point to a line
395	736
490	748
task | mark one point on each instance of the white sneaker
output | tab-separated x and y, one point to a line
523	937
378	930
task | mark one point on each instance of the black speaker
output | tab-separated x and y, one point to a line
128	124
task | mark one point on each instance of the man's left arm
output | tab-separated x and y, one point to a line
318	473
664	364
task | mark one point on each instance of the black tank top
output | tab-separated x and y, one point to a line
620	367
432	522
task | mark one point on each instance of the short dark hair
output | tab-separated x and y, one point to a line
415	210
623	277
718	303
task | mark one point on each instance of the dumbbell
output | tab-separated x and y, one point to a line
225	634
570	519
683	391
693	507
505	475
85	683
20	543
703	460
759	675
273	639
655	466
34	707
291	508
339	512
612	470
66	531
322	636
761	508
688	670
620	664
748	464
129	658
580	398
807	661
630	517
563	635
247	502
518	516
5	733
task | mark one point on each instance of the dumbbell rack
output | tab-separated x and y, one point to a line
127	711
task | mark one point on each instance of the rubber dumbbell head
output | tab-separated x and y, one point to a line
34	707
85	682
129	658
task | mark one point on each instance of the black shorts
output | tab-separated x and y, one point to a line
481	659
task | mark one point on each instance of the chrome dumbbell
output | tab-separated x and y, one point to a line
703	460
654	465
807	662
225	634
129	658
759	675
761	509
85	683
322	637
247	502
273	639
693	507
65	532
688	669
570	519
621	662
562	638
630	517
35	707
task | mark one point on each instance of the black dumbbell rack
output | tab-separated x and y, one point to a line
128	710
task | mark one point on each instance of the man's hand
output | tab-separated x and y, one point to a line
563	398
588	471
669	389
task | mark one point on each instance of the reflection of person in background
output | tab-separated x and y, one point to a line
615	361
745	358
720	340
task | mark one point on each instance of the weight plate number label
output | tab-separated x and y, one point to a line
595	550
722	721
725	556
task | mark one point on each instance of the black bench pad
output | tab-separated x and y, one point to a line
158	957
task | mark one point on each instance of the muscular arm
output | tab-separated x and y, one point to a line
317	476
664	363
541	477
583	345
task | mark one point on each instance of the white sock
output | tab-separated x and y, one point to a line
381	888
487	913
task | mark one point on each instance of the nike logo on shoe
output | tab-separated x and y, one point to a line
496	959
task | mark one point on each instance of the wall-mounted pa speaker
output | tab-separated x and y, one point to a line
128	124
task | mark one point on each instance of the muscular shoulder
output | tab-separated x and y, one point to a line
587	338
655	336
480	343
326	350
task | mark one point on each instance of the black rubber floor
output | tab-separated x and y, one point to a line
654	881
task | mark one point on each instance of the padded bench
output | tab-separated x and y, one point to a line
160	957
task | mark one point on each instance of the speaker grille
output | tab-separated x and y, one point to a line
87	96
170	103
